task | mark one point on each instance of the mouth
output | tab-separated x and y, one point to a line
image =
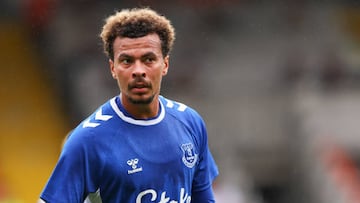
139	88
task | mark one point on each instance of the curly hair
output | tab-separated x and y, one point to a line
137	22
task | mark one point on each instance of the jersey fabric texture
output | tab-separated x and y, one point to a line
127	160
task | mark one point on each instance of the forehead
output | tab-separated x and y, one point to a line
149	42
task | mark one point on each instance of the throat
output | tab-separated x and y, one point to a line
141	111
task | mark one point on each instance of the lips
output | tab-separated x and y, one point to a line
139	87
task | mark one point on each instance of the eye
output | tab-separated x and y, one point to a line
125	61
149	59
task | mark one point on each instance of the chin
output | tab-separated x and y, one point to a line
141	100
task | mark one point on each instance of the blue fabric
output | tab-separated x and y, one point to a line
205	196
129	160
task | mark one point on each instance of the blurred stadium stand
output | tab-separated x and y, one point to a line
277	83
31	121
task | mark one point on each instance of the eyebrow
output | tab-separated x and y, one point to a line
147	54
124	56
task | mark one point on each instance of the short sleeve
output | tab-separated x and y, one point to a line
74	176
207	169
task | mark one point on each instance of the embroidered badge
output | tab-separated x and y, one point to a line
189	157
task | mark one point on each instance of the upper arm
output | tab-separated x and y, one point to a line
74	176
205	196
206	169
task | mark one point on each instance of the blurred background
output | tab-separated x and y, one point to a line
277	82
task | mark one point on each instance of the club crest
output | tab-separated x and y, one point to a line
189	157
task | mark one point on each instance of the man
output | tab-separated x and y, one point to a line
139	146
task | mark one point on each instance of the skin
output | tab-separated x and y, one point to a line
138	67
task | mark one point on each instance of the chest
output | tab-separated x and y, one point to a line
151	156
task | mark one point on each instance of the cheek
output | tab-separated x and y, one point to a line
119	78
119	74
158	80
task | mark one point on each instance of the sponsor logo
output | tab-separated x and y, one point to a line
189	157
184	197
134	167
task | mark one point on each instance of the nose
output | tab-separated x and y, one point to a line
138	70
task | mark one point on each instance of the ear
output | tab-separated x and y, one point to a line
111	65
166	65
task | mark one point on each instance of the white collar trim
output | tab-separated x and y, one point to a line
135	121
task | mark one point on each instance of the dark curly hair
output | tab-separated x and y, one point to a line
137	22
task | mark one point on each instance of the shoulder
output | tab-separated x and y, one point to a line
97	123
182	112
189	118
178	108
101	116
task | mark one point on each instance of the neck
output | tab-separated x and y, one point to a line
141	111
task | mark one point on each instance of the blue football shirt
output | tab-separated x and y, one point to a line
163	159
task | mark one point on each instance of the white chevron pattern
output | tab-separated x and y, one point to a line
171	104
98	117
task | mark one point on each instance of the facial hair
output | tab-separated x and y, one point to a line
143	84
141	101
